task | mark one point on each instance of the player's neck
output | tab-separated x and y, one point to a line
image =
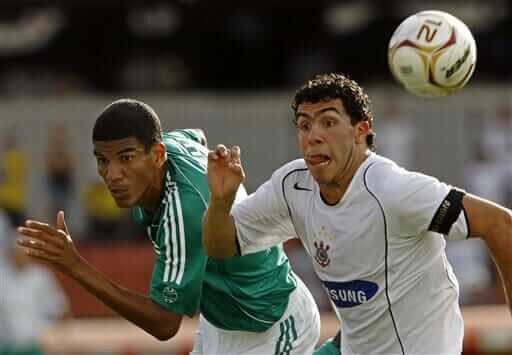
332	193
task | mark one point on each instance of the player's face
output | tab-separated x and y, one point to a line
130	173
327	139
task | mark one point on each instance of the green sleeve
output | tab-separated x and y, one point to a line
180	266
181	297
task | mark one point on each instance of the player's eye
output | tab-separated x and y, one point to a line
330	123
304	126
126	158
101	161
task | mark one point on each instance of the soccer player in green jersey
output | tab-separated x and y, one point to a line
249	305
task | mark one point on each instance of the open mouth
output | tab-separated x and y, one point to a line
318	160
119	192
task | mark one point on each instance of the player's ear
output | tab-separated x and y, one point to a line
362	129
158	154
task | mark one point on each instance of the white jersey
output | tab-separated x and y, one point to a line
379	251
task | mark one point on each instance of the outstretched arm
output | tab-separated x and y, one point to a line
493	224
225	174
54	246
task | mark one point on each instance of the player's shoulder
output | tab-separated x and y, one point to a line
185	144
389	181
196	135
377	170
292	166
179	138
292	172
173	141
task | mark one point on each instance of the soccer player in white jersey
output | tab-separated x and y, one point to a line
375	231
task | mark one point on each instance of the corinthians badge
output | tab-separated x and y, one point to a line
321	256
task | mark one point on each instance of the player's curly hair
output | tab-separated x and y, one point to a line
326	87
126	118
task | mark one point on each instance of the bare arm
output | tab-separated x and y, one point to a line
225	175
219	233
55	247
138	309
493	224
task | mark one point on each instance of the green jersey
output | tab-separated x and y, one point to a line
248	293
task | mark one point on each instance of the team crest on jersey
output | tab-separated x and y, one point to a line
169	295
321	256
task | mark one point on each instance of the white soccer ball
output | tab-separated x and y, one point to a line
432	53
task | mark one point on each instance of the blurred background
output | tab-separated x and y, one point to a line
230	68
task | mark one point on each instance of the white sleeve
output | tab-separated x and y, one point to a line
460	228
415	203
262	219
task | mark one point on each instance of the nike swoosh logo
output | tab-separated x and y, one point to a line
297	187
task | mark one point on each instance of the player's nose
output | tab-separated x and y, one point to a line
315	134
114	172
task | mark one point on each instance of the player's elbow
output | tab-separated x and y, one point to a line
217	254
220	248
207	245
504	222
165	333
164	336
166	326
211	243
212	247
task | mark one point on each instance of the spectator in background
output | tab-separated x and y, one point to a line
31	300
59	169
13	184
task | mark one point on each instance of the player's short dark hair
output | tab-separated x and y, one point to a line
126	118
326	87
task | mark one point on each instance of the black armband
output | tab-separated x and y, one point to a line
447	212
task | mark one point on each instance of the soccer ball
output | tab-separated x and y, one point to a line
432	53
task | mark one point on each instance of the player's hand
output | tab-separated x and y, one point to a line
225	172
52	245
